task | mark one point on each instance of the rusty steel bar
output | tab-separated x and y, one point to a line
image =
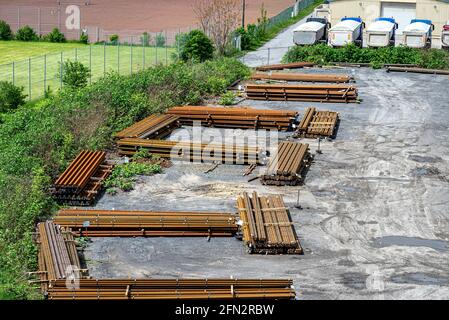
294	65
302	77
152	127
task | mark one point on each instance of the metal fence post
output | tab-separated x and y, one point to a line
131	60
45	72
60	72
104	58
118	57
29	78
13	73
90	63
166	48
143	55
155	45
76	54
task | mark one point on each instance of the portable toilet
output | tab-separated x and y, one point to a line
445	36
418	34
312	31
381	32
348	30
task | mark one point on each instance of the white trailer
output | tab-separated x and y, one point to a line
418	34
381	33
348	30
312	31
445	36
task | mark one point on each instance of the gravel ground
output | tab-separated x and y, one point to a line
374	219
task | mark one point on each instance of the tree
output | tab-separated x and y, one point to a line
5	31
11	96
197	47
218	19
74	74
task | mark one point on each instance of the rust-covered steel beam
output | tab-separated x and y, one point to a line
302	92
266	225
152	127
302	77
282	66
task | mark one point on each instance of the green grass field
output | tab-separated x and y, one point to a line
36	64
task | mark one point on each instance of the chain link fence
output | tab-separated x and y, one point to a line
38	74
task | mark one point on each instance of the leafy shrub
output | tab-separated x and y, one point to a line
26	33
197	47
84	38
74	74
11	96
323	54
55	36
5	31
114	39
145	39
160	40
227	99
122	175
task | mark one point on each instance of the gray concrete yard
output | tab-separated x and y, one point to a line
375	218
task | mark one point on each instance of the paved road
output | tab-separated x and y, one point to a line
273	50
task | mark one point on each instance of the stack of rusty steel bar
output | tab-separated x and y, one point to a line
235	117
282	66
302	92
192	151
317	124
267	227
107	223
81	182
288	165
57	252
302	77
123	289
152	127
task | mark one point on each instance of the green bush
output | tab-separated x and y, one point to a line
197	47
323	54
5	31
55	36
227	99
114	39
145	39
74	74
84	38
11	96
122	176
26	33
160	40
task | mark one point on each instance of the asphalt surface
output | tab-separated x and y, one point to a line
374	219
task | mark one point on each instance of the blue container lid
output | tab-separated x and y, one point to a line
386	19
352	18
421	20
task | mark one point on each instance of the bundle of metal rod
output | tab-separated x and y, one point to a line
282	66
296	92
266	225
54	256
81	182
417	70
288	165
78	173
192	151
241	117
152	127
103	223
302	77
317	124
97	289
